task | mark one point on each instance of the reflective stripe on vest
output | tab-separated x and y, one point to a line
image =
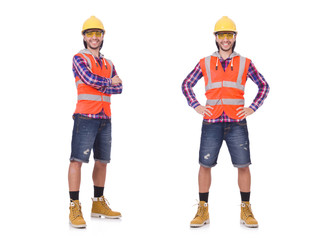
104	62
87	59
93	97
111	66
230	84
78	82
225	101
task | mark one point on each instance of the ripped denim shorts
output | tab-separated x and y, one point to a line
235	134
88	134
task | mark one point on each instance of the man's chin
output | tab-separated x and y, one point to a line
94	48
227	49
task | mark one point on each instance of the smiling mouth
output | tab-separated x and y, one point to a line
94	44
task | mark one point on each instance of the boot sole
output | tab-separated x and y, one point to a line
98	215
200	225
78	226
248	225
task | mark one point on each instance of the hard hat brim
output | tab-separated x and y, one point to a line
83	31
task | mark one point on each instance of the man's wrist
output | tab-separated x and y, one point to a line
253	107
195	104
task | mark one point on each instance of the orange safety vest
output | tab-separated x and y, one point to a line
224	90
89	99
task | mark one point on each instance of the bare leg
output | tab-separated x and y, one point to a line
74	176
204	179
244	179
99	173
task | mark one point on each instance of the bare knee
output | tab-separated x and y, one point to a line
75	164
99	164
205	170
244	170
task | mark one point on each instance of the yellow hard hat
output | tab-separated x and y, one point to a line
91	23
225	24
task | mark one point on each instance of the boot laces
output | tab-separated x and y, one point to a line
200	209
105	202
76	210
247	210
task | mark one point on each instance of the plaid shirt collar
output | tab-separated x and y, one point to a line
217	54
87	51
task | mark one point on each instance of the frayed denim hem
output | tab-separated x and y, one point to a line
102	161
242	166
78	160
207	166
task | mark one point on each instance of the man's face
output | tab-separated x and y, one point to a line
93	38
225	40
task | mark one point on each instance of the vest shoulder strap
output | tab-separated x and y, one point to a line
87	60
109	62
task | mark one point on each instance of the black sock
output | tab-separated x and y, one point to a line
245	196
204	196
98	191
74	195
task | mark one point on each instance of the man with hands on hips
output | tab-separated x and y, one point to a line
225	73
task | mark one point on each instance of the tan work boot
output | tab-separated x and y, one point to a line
100	208
202	215
246	216
76	216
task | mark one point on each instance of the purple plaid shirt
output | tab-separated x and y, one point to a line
104	85
191	80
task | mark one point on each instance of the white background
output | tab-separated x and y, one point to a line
152	178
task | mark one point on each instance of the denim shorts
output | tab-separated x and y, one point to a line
88	134
237	140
